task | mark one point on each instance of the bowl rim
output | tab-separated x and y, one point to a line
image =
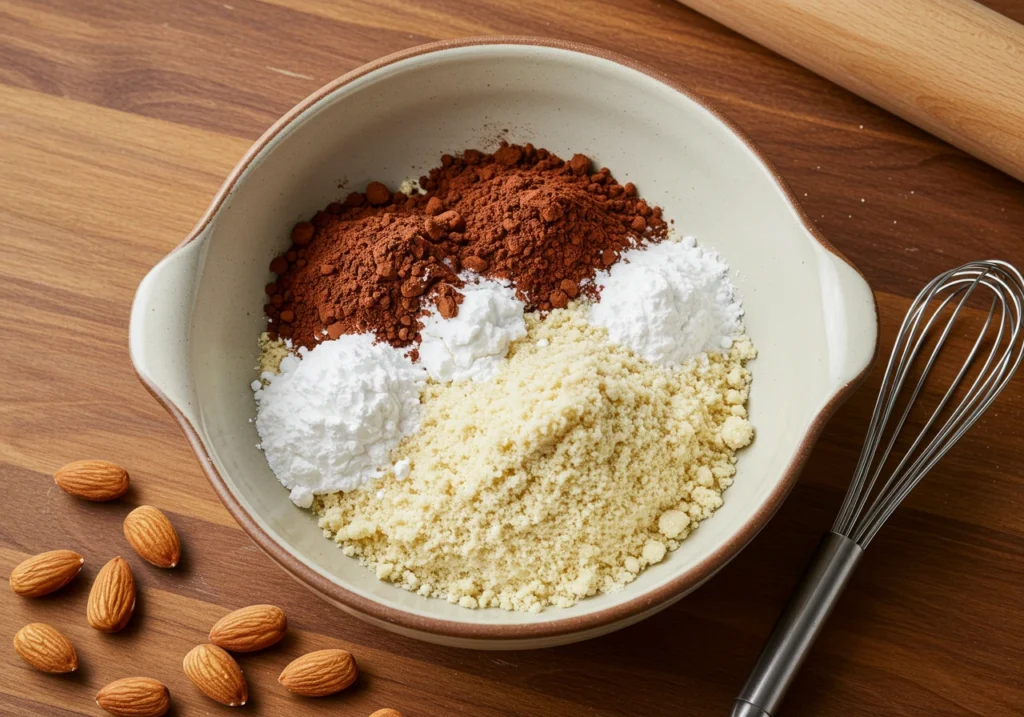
376	611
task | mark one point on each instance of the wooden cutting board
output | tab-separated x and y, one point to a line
118	121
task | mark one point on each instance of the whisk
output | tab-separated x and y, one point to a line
991	362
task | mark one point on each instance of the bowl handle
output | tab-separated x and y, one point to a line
159	328
851	317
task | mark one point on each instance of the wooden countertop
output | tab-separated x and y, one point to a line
119	120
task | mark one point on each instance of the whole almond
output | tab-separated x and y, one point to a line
112	598
93	480
386	712
249	628
217	675
320	673
152	536
135	697
45	648
44	573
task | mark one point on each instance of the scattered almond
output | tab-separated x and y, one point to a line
152	536
44	573
250	628
112	598
93	480
217	675
45	648
135	697
320	673
386	712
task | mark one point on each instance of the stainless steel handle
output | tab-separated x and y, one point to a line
798	627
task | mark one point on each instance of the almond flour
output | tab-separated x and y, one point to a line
567	474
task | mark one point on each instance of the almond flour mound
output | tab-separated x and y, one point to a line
577	466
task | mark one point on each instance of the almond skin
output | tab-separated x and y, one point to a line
112	598
250	628
135	697
93	480
152	536
217	675
320	673
45	648
44	573
386	712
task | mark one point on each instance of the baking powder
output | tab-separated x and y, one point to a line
473	343
669	302
330	419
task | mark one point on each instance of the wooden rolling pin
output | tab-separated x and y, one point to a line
952	67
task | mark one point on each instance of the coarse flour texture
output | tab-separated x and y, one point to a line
574	468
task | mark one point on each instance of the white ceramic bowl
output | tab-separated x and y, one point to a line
198	313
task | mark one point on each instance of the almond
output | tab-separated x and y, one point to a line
112	598
249	628
320	673
152	536
217	675
386	712
93	480
45	648
44	573
135	697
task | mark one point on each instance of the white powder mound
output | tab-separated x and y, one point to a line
330	419
669	302
473	344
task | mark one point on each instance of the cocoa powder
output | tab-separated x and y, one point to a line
520	214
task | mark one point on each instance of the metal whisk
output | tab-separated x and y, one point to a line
988	367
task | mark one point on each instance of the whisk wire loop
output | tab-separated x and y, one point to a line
865	509
895	477
994	355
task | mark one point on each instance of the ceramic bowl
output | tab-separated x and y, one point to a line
198	313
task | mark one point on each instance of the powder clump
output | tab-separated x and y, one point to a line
332	416
473	343
272	352
539	487
668	302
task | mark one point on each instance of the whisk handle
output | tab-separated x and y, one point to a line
798	627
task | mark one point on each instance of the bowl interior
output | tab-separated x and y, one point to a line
394	123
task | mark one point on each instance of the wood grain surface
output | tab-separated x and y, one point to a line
953	67
119	120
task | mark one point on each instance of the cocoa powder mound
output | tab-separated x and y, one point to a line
361	274
545	225
520	214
